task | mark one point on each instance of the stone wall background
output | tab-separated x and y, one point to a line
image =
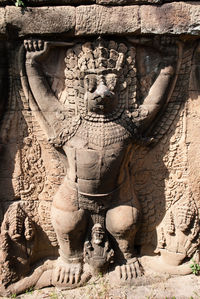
177	157
84	19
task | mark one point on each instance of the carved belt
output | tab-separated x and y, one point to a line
102	202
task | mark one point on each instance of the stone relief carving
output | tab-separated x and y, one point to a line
92	182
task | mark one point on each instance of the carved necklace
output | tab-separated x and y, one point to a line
103	134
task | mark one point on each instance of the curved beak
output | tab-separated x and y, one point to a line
103	91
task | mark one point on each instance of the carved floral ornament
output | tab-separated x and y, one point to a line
105	119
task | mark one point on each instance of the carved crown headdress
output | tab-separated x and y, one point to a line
100	57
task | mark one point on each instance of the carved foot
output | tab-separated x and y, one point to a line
69	275
128	272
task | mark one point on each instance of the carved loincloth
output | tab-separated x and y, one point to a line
102	202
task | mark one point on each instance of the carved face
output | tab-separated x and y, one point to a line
100	93
97	235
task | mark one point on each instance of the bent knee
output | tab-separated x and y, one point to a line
122	219
66	222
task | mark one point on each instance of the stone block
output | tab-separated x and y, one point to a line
173	18
97	19
29	3
40	20
81	2
128	2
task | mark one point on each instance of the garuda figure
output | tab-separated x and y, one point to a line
97	132
100	102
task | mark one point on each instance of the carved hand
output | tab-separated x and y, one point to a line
38	49
35	49
167	46
167	70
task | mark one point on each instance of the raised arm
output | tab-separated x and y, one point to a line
159	93
43	99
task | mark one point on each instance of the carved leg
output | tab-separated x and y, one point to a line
122	222
70	225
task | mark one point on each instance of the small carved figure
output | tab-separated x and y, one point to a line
17	239
98	141
97	252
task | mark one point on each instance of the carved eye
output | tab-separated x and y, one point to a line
90	83
111	80
86	82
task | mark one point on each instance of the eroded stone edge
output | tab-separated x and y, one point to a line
170	18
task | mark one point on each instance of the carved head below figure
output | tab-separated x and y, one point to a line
98	234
